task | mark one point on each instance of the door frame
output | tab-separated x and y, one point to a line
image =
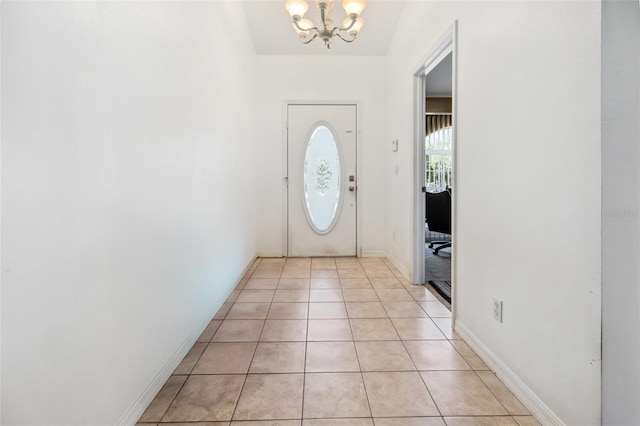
285	168
447	44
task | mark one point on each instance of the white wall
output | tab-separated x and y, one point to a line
319	78
621	207
125	174
527	189
0	215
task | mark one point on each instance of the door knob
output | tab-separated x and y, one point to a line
352	188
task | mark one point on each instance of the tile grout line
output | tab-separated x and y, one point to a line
235	408
493	393
174	398
306	349
364	385
418	371
402	341
343	371
254	354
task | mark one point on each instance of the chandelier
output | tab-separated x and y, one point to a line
307	31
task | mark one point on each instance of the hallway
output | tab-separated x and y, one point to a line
302	341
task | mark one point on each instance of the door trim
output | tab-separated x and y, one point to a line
447	44
285	169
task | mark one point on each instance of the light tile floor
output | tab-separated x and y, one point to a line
332	341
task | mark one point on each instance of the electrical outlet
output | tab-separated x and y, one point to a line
497	310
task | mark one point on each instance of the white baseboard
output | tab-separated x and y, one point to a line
373	254
137	408
400	267
279	254
363	254
529	399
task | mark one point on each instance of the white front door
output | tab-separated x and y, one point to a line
322	184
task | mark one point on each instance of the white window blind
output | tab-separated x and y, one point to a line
438	159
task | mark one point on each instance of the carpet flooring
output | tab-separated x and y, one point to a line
438	268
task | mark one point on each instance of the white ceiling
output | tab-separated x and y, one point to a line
273	34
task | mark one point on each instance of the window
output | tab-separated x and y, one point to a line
438	159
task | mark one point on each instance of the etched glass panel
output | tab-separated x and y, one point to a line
322	179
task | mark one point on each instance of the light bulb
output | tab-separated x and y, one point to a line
306	26
357	26
353	7
296	8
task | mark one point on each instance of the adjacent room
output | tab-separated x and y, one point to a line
438	176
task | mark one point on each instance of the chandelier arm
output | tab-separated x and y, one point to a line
353	22
303	29
310	40
344	39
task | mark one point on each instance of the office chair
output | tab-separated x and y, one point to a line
438	216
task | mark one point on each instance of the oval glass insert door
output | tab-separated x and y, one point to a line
322	180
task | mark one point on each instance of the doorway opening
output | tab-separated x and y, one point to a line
438	160
434	154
